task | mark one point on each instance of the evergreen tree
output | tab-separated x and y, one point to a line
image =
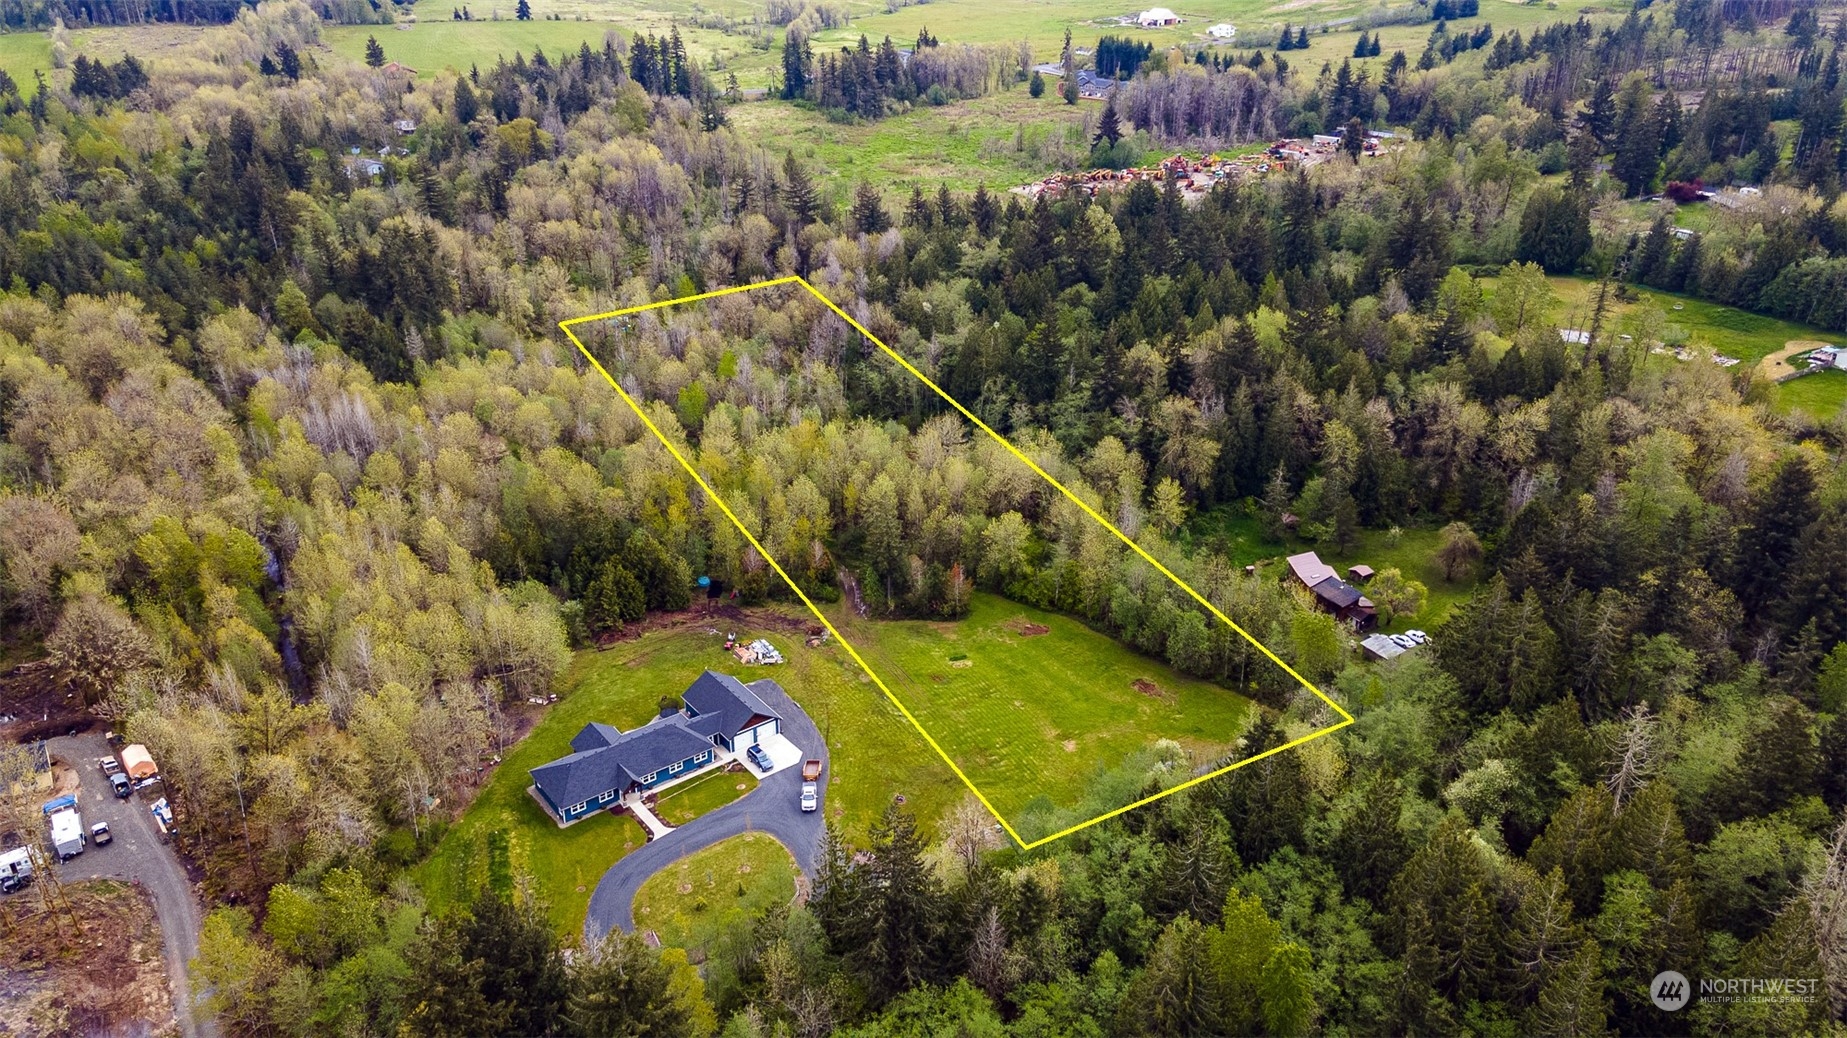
1600	117
903	907
289	61
795	59
983	210
1109	128
375	53
523	11
798	191
466	106
614	598
1772	535
1363	47
267	66
1068	85
868	210
1036	85
621	986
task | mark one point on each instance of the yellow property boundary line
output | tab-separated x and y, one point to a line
635	405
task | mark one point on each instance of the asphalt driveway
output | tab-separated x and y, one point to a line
774	807
136	854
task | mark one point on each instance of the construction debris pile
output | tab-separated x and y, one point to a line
1196	177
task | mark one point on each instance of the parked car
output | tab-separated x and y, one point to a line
109	765
100	834
810	797
120	784
760	757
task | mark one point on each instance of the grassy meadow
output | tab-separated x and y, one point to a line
1025	715
1002	140
1732	332
20	53
692	901
436	43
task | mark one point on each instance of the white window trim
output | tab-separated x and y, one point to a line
674	769
575	808
605	798
650	776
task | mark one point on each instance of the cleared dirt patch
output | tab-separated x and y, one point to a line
1776	366
961	664
1147	688
1070	745
108	979
938	678
1027	629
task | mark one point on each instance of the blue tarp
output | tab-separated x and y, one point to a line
60	803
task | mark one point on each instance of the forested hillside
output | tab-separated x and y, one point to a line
302	487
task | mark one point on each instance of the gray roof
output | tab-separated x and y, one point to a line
595	736
586	773
729	699
1337	592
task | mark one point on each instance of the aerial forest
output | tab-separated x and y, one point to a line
302	486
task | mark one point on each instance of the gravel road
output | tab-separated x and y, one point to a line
774	807
136	853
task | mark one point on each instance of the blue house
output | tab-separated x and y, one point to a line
607	763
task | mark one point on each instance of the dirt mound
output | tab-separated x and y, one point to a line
1026	628
1147	688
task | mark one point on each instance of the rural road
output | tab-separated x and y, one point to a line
773	807
136	853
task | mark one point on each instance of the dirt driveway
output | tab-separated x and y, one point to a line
137	855
1776	366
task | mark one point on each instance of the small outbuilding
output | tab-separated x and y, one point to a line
138	762
1359	574
1381	647
1223	31
1156	17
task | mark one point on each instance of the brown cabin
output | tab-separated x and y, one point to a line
1333	594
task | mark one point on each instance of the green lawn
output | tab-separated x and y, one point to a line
1413	552
687	801
693	900
1003	140
1030	715
1732	332
20	53
1819	396
874	754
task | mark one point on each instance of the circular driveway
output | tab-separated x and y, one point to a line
773	807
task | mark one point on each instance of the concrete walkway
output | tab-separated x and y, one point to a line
774	807
656	828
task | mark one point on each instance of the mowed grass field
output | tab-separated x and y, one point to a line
1730	331
1029	714
874	754
692	901
1003	140
20	53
